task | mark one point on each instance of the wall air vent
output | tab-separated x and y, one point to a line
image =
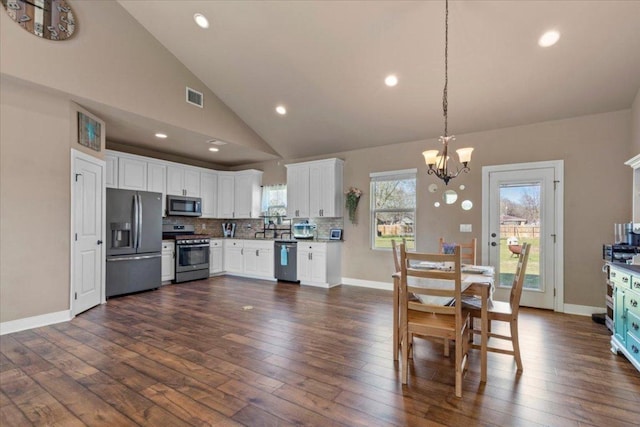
195	98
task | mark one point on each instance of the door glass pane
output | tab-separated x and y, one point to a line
520	222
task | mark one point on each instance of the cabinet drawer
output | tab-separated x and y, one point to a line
619	278
168	246
233	244
633	324
633	346
215	243
312	247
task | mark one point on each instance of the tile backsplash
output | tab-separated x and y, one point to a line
247	228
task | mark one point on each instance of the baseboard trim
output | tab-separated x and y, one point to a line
583	310
34	322
387	286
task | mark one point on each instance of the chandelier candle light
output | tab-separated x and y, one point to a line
437	161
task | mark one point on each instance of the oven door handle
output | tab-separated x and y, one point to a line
205	245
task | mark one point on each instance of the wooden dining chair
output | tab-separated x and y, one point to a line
468	250
428	316
504	311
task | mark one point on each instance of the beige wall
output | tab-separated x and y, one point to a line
36	133
597	185
635	126
126	69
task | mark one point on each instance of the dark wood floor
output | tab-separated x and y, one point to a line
195	354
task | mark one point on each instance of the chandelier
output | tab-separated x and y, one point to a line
438	161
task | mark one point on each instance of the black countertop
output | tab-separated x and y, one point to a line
634	268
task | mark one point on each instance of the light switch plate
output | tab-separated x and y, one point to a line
465	228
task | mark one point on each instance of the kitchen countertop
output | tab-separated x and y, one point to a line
318	240
634	268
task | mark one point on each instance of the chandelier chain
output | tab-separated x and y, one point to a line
445	103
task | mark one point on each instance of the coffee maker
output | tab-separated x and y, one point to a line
229	229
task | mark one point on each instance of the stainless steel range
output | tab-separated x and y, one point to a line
192	252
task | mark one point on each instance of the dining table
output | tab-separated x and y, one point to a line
476	281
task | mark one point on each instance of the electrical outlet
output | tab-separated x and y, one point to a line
203	226
465	228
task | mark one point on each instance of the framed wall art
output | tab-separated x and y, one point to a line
89	132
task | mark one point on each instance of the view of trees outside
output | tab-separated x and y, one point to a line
394	206
520	223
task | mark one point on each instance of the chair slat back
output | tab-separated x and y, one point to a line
396	254
468	250
438	283
518	279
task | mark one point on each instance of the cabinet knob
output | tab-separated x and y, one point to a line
633	303
634	349
635	326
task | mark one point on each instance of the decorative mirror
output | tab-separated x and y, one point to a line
433	188
462	187
450	197
436	204
48	19
466	205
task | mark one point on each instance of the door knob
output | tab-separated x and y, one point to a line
493	234
99	242
493	243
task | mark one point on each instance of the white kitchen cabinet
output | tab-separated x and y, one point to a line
247	194
234	256
249	258
226	188
319	264
183	181
298	191
216	250
111	172
168	261
258	259
209	193
316	189
157	181
239	194
132	174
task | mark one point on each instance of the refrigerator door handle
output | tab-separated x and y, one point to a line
131	258
135	221
139	220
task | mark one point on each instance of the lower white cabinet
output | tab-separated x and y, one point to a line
249	258
258	259
168	261
215	257
319	264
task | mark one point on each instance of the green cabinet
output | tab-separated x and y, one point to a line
626	313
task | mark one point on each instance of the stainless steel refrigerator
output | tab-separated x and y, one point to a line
134	241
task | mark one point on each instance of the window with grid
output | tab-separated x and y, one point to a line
393	208
274	200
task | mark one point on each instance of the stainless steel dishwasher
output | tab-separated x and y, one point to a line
285	259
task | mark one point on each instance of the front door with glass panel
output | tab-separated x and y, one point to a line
521	208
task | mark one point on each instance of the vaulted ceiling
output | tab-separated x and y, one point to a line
326	62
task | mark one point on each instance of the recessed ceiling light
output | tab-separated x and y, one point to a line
281	110
216	142
549	38
214	149
391	80
161	135
201	20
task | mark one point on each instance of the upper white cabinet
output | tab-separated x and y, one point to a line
239	194
298	191
247	194
314	189
157	181
111	178
209	193
183	181
132	174
226	187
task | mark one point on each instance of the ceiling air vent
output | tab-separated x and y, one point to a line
195	98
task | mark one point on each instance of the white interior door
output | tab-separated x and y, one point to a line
522	206
88	234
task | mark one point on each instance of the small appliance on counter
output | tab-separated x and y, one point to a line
229	229
304	230
619	253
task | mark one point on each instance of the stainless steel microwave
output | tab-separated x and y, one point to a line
184	206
